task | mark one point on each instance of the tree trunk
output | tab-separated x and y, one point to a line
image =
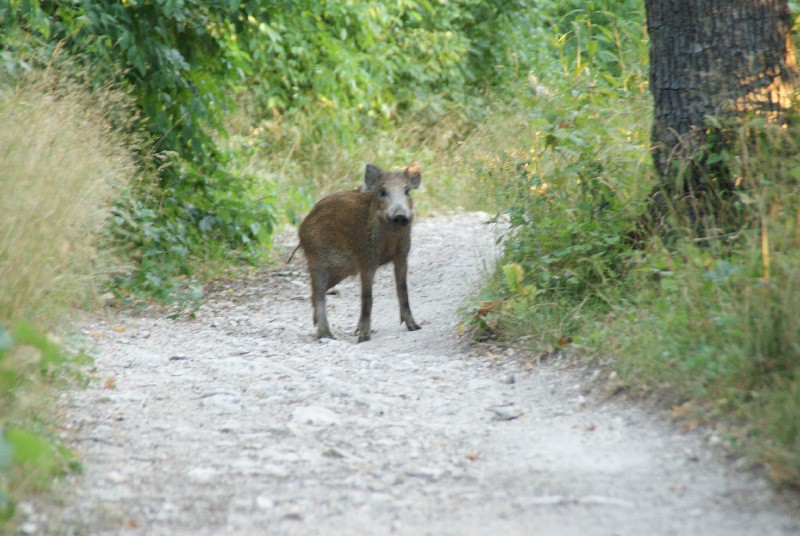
712	61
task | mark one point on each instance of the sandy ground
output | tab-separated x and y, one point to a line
239	422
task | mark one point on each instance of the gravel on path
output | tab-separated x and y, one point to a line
239	422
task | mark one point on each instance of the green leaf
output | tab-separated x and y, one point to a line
31	449
51	353
514	276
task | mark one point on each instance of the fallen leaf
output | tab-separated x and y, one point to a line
111	383
590	427
131	524
563	341
473	456
424	323
118	329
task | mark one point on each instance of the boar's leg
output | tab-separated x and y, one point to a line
319	286
400	272
364	323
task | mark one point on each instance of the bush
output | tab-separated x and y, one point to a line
571	185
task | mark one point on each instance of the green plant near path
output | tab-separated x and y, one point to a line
704	323
713	321
62	163
31	455
180	62
355	67
570	186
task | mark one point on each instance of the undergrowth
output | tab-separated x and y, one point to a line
62	163
705	323
712	321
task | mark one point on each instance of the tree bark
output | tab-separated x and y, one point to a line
712	61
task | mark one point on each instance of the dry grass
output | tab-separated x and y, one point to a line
290	153
61	163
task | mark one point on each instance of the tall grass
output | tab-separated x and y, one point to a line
61	163
288	153
715	320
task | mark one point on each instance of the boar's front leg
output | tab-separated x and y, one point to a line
400	273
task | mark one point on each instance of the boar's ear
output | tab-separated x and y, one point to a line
413	175
371	177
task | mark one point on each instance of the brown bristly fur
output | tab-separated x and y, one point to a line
356	231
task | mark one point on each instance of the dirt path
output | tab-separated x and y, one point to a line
239	422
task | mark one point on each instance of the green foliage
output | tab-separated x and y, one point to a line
707	320
165	230
598	37
354	62
180	61
174	56
348	69
715	318
571	194
30	454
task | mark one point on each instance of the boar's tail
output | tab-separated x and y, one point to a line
292	255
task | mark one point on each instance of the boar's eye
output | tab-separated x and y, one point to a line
408	190
383	192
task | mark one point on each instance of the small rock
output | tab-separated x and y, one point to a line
274	470
264	502
29	527
316	415
429	473
202	474
509	379
116	477
333	453
479	384
505	413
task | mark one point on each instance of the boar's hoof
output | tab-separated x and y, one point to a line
413	326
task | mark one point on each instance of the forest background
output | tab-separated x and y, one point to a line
149	146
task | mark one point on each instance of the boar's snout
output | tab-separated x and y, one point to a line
400	218
399	211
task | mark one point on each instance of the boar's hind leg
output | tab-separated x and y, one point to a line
364	323
400	272
319	286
